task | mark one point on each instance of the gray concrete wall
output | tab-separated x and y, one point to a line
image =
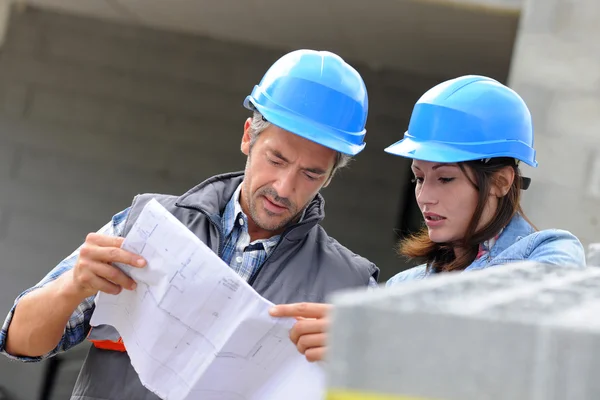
556	68
92	113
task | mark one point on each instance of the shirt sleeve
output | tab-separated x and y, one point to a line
78	325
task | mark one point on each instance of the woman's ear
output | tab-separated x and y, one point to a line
503	180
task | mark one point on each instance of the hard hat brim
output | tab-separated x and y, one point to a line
322	135
442	152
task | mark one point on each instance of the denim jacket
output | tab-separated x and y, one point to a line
518	242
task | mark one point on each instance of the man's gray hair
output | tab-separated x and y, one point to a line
259	124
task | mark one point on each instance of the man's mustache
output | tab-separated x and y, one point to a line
272	194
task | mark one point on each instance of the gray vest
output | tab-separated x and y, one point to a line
305	266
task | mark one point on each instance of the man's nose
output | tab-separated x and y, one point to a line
285	184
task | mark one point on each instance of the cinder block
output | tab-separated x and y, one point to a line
548	61
14	98
8	155
160	62
572	175
89	208
220	135
539	100
540	17
97	112
69	141
45	231
578	21
188	97
21	37
552	205
71	174
521	331
576	114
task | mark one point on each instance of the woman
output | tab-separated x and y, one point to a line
466	138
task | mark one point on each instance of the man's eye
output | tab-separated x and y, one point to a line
310	177
274	162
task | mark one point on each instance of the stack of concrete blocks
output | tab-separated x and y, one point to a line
523	331
593	255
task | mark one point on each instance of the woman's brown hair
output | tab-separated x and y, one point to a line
440	257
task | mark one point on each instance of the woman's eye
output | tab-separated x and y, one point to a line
446	180
417	179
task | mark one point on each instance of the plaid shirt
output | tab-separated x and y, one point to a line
243	257
79	324
485	247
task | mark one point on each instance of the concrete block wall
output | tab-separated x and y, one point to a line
556	68
521	332
92	113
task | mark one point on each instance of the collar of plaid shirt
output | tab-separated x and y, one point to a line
485	247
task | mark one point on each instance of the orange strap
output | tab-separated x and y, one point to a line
109	344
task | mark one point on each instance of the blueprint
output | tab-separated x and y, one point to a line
194	329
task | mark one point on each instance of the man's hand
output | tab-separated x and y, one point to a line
309	334
93	271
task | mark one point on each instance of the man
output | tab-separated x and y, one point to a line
310	111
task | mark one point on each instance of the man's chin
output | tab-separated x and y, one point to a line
270	223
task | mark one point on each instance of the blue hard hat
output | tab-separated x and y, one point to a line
468	118
316	95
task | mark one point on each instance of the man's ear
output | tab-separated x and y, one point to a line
503	181
245	147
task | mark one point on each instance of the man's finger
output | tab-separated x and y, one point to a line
105	286
104	240
305	310
112	274
111	255
307	342
315	354
308	327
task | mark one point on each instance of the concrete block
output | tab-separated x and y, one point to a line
58	23
8	159
548	61
539	100
578	21
593	254
187	97
15	98
220	135
557	165
520	332
25	266
90	208
540	16
576	115
97	112
75	142
551	205
38	229
171	64
199	163
22	37
71	174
